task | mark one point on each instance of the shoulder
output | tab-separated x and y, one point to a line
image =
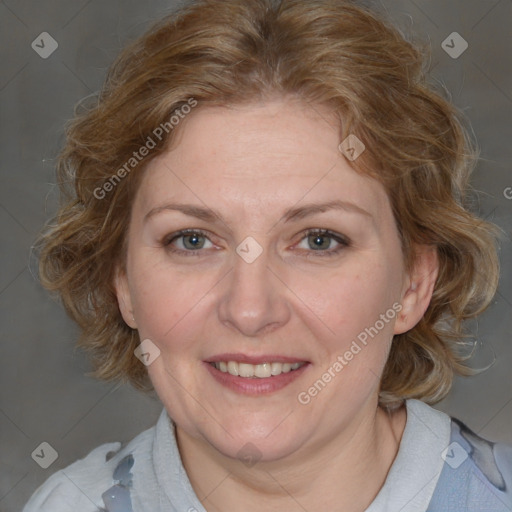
477	473
81	485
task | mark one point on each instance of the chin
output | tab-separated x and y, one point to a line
263	438
252	450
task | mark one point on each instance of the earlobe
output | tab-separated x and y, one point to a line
418	289
124	298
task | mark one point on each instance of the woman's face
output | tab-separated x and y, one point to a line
290	256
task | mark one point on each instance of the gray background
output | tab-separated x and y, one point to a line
44	395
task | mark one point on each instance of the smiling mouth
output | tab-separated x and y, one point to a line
256	371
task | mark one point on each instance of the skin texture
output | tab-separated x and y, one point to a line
250	164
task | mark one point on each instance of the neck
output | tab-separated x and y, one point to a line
345	472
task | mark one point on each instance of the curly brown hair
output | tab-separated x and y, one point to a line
324	52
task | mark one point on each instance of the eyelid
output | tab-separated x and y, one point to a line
342	240
167	239
327	232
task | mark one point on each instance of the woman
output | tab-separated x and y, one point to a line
265	222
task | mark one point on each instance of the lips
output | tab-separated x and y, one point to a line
255	374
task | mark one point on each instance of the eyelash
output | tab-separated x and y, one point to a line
342	241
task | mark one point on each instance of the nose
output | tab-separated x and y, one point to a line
254	299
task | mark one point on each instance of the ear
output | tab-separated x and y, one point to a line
418	288
124	299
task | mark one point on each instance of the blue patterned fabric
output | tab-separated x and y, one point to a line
476	477
117	498
441	466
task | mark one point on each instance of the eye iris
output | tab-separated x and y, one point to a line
194	239
319	241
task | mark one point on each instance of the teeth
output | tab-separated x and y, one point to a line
260	371
232	368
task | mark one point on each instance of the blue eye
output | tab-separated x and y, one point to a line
321	241
189	242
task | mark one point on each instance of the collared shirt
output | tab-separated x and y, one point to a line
441	466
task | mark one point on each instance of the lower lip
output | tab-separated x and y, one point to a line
255	386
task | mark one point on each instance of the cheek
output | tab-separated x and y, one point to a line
356	344
165	300
335	305
349	312
353	297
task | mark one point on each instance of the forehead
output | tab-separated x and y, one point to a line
279	152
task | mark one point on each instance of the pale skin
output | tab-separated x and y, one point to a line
250	164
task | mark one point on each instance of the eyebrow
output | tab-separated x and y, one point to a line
292	214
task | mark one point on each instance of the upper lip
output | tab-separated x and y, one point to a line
254	359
